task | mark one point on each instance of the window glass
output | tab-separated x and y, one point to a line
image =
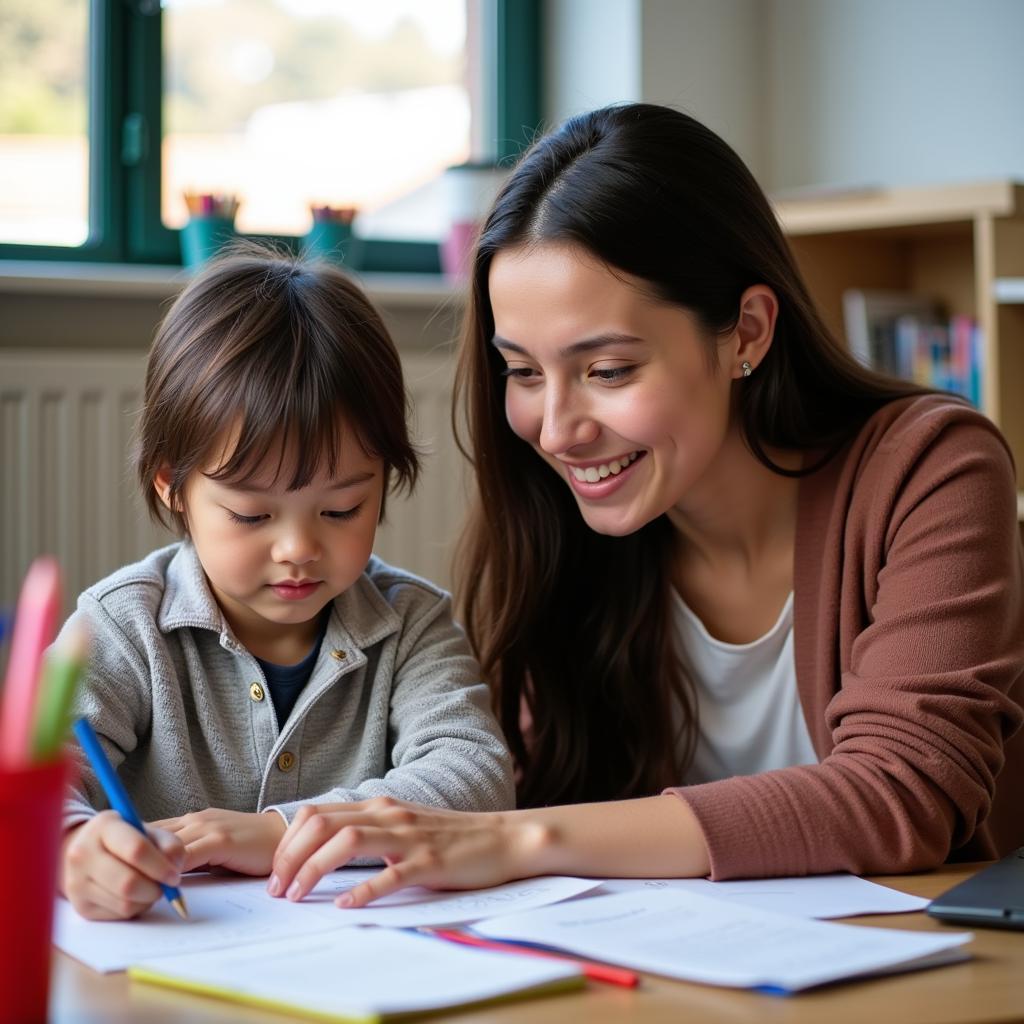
44	148
290	104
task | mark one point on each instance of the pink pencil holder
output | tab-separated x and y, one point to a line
457	249
30	835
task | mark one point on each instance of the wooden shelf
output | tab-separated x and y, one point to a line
865	209
960	245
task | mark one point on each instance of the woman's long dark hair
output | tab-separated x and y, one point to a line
571	626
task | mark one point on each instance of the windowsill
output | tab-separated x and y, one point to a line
127	280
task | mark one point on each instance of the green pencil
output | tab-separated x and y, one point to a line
62	667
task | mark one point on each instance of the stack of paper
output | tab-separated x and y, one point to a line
229	912
309	956
818	896
684	935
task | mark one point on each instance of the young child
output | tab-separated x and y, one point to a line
267	659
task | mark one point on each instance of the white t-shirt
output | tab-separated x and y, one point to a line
749	714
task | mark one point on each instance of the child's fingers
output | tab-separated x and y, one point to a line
206	850
141	852
119	887
99	903
170	845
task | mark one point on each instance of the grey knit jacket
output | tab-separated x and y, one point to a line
394	705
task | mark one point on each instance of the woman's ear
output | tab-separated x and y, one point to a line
754	329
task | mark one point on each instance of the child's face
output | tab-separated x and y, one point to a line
274	558
611	388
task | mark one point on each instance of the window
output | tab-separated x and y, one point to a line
44	142
285	104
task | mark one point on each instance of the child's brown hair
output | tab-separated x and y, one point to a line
283	351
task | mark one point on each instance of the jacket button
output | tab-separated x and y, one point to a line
256	692
338	655
286	761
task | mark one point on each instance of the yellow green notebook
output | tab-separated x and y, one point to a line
359	974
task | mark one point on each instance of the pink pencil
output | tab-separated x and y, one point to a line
35	623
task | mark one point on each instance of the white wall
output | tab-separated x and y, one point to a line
708	58
836	92
701	56
592	55
894	92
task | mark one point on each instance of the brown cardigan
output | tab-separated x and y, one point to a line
909	649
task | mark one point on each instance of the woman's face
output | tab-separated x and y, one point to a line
621	394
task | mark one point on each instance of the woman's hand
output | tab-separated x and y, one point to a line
111	872
420	845
234	840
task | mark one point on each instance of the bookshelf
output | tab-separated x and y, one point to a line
962	245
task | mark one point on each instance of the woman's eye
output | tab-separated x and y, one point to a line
245	520
348	513
612	373
519	372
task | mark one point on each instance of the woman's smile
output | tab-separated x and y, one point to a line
599	479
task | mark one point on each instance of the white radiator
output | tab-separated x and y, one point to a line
66	485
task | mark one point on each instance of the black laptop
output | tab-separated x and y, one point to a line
993	898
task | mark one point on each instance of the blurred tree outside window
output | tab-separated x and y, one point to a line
44	142
291	103
112	110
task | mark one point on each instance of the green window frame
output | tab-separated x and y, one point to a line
125	130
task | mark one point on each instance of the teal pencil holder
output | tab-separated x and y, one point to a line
203	237
329	240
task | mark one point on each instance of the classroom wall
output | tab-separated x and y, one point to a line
813	92
592	55
708	58
701	56
894	92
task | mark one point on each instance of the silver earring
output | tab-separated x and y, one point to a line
747	368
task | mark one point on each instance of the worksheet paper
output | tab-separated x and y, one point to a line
818	896
683	935
358	974
225	912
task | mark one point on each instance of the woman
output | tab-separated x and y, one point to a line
708	548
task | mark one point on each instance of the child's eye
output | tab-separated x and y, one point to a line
612	374
245	520
348	513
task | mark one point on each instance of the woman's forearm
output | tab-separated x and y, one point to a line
652	837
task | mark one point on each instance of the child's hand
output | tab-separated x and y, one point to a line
421	846
110	871
228	839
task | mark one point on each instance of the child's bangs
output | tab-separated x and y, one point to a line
289	436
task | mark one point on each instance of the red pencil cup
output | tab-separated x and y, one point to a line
30	833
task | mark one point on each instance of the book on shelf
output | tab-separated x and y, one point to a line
906	335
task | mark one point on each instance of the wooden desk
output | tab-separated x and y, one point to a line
989	987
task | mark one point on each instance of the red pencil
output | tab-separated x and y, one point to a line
595	971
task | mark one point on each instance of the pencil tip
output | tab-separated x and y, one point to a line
179	905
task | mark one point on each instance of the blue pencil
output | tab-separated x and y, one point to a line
118	797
